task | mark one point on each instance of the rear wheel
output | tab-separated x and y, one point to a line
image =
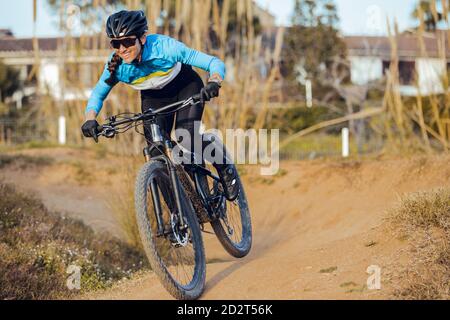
232	225
176	255
231	220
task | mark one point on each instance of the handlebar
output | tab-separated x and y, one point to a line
109	130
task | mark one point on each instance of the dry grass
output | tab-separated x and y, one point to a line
122	205
238	97
245	100
37	246
424	218
23	161
122	200
430	112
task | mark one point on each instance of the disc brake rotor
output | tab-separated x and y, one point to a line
181	236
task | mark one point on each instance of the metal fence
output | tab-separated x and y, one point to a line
14	131
321	145
329	146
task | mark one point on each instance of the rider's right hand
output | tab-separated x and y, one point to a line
89	129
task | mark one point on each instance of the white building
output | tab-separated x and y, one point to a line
421	66
55	57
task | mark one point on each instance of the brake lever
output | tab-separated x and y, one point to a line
109	132
105	131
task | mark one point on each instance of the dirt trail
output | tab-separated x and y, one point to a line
317	227
70	185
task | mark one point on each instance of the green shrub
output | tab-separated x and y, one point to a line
292	120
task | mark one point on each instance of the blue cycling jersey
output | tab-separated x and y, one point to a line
162	57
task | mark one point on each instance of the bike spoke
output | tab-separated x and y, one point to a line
233	213
234	221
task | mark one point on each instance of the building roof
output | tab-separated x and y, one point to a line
45	44
408	45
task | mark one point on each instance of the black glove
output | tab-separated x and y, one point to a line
211	90
90	130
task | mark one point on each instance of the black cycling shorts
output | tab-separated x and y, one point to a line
186	84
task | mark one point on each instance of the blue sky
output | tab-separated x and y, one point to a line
357	17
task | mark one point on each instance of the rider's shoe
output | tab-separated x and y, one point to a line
228	177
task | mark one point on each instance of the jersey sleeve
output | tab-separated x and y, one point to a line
100	92
179	52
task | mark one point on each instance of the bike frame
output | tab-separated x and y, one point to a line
110	130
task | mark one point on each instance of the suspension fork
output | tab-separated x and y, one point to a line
168	160
155	196
157	205
157	137
174	179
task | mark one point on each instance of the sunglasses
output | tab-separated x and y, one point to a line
127	42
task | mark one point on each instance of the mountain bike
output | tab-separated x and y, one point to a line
174	201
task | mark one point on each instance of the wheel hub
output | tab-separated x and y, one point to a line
180	233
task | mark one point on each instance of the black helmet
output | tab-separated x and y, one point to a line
126	23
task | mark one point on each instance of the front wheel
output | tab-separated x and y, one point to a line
175	251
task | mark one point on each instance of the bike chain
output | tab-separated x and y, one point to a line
200	210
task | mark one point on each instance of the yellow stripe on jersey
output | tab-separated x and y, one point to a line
152	75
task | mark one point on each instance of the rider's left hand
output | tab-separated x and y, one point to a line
211	90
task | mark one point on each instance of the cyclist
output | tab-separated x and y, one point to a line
160	67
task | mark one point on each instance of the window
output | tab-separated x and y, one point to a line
406	69
386	66
407	72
